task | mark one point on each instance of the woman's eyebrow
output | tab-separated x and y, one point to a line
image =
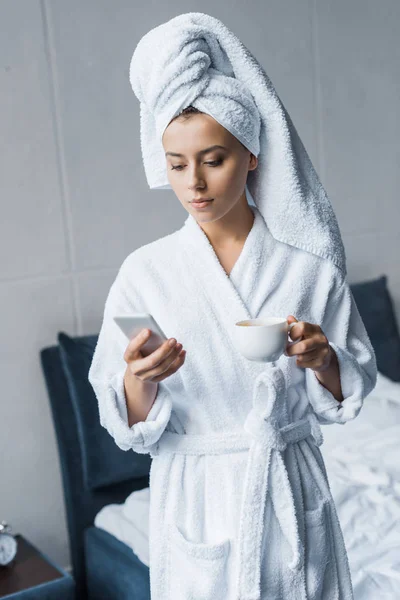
200	151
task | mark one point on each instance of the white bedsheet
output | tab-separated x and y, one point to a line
362	460
129	522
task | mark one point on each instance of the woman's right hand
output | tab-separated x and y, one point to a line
158	365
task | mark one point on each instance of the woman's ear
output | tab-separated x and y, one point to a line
253	162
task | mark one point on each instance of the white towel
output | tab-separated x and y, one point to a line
194	59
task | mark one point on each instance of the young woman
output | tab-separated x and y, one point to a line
240	505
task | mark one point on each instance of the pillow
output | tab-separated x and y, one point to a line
375	306
104	463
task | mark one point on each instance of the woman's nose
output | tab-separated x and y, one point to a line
196	179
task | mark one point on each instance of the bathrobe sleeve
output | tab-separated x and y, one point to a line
106	375
347	335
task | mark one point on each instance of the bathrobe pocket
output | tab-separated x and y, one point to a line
317	550
196	570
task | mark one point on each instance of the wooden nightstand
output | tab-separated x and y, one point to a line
32	575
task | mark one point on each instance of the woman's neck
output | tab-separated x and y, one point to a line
231	230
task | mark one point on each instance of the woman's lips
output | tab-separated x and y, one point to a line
202	204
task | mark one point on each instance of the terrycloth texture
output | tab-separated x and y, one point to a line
106	375
194	59
231	459
363	470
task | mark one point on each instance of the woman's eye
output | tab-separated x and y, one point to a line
213	163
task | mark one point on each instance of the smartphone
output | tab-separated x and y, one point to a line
131	325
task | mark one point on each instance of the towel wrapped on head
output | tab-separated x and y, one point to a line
195	60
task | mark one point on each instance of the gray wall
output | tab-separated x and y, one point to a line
75	202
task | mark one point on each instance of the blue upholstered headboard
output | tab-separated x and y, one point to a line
95	472
83	496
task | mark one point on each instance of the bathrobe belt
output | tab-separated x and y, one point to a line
265	473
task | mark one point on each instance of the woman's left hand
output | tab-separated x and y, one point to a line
313	351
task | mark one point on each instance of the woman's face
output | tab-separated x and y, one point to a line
219	174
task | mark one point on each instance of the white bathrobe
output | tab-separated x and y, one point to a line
240	506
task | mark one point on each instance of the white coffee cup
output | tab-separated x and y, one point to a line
264	339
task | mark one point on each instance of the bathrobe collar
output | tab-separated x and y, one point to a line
212	284
216	282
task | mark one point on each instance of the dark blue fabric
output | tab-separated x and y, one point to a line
103	461
82	504
112	568
375	306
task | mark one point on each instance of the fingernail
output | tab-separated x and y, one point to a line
172	342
